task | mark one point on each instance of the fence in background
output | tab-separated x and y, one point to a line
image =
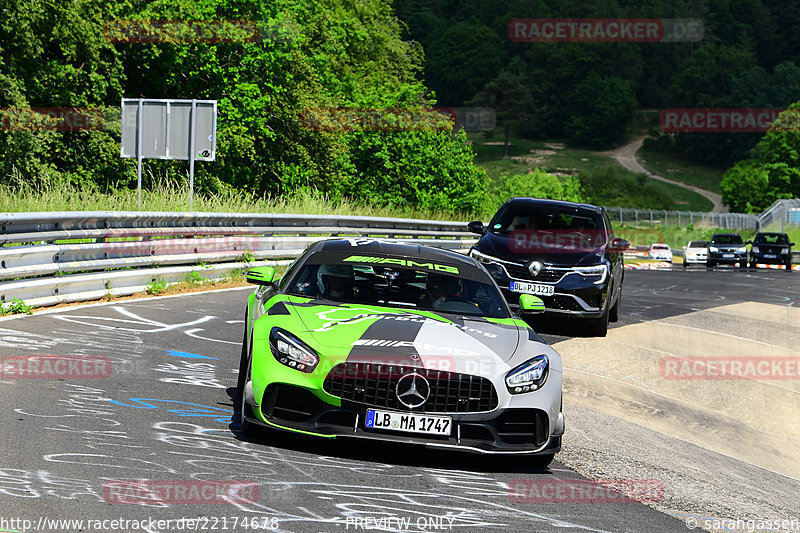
657	218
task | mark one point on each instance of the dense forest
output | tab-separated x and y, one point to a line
414	54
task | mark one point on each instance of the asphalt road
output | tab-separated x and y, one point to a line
164	412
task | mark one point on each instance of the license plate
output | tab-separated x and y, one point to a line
727	255
409	422
770	256
532	288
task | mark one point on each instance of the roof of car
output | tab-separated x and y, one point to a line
376	246
542	202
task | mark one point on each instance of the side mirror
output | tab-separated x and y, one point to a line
619	245
530	304
791	244
748	242
260	275
476	226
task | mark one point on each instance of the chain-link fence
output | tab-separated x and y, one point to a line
783	213
657	218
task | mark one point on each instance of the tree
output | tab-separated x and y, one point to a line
601	108
508	95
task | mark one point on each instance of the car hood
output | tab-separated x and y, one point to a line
389	335
503	247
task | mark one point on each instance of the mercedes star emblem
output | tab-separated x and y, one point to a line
413	390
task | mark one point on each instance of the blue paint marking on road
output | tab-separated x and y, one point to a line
194	410
187	355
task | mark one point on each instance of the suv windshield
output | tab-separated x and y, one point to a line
771	238
518	218
395	286
727	239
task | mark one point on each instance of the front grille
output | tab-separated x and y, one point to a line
563	303
375	385
545	275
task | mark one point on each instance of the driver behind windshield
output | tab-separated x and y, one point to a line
439	288
335	281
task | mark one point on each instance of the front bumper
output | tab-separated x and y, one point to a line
719	257
574	294
695	259
511	430
776	259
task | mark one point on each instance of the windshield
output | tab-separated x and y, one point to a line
727	239
396	286
660	247
698	244
519	218
771	238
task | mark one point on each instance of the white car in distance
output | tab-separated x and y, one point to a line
660	252
695	253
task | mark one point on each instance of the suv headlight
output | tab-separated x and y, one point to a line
713	249
784	250
291	351
483	258
596	270
754	249
741	249
529	376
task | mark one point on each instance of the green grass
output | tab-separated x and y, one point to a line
676	237
167	197
605	181
674	167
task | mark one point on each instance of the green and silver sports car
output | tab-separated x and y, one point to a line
377	340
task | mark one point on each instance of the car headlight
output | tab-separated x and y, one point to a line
483	258
754	249
596	270
528	376
784	250
713	249
741	249
291	351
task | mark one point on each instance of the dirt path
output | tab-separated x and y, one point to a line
626	155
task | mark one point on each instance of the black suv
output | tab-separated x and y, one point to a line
771	248
563	252
726	248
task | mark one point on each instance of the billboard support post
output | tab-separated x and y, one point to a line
139	155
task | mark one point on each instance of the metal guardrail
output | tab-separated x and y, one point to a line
124	252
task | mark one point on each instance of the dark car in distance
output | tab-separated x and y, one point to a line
771	249
563	252
726	248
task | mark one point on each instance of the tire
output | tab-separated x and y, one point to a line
244	374
684	264
743	265
613	315
710	264
789	264
540	462
599	326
